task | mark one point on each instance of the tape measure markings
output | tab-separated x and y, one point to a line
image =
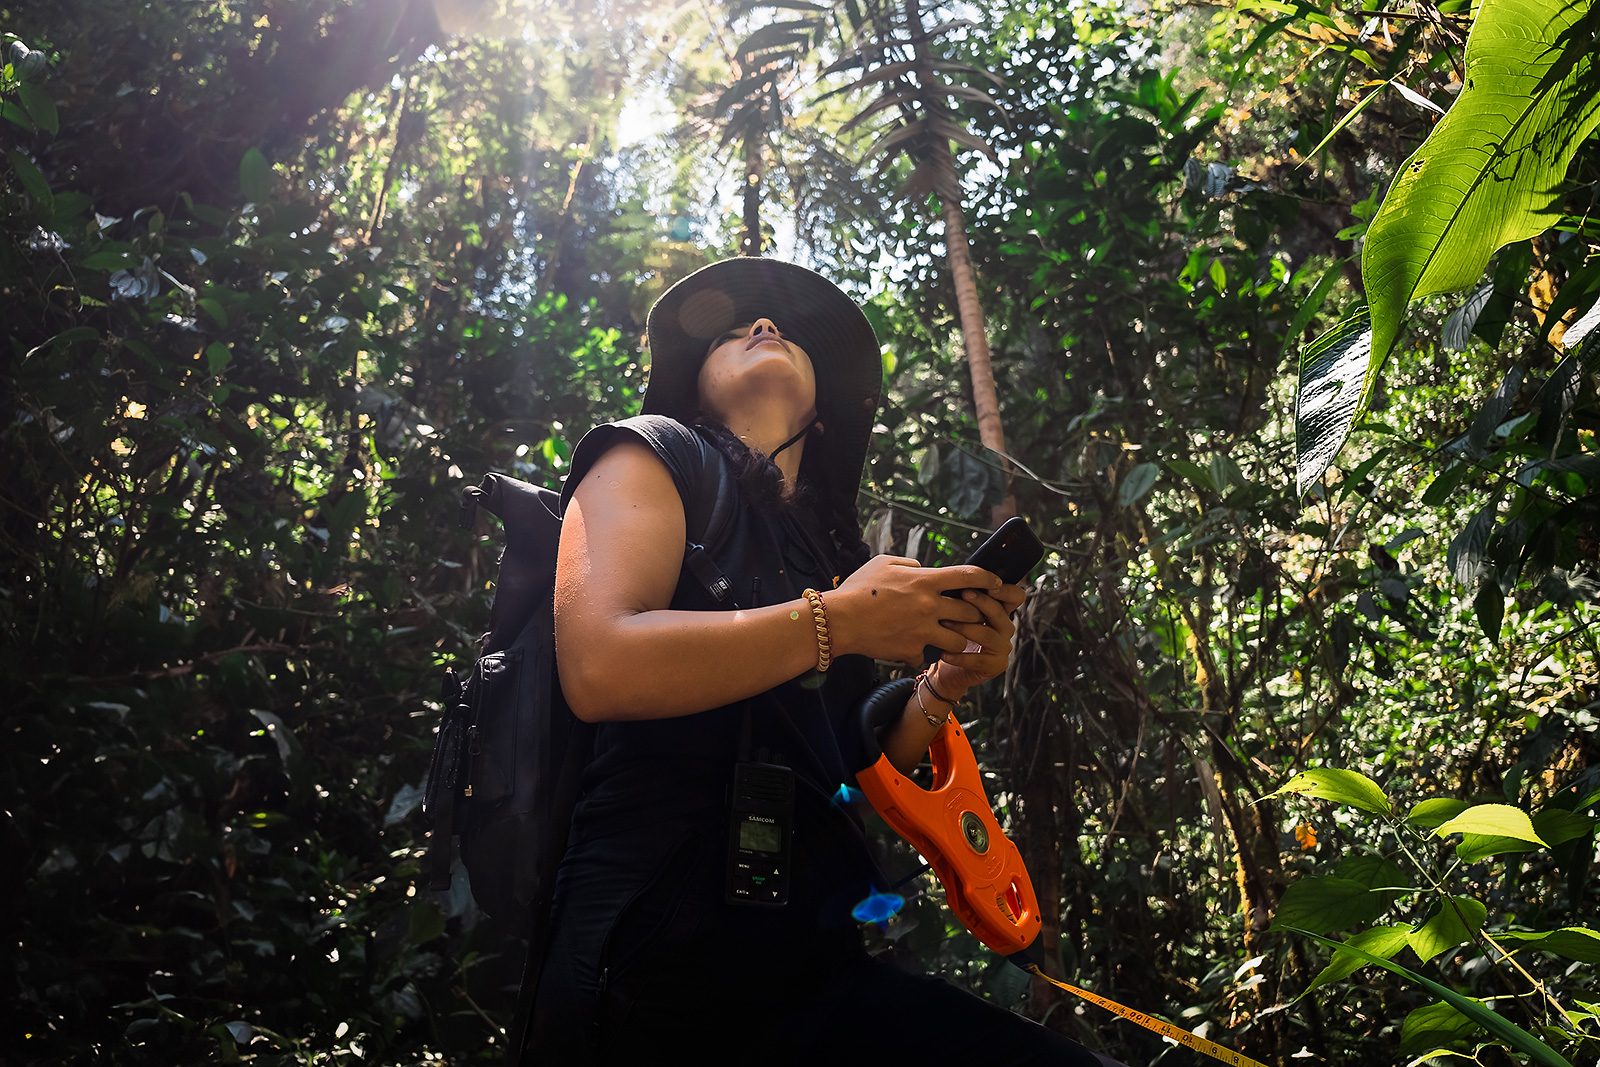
1165	1029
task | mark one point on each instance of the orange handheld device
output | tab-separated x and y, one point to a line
984	880
953	827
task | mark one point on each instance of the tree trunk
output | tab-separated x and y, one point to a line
750	241
974	332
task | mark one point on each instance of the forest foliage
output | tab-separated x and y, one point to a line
1290	310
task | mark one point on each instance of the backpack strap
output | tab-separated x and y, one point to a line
703	479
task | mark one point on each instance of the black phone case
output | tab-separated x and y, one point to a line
1009	553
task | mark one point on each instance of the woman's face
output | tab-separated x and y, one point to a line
750	366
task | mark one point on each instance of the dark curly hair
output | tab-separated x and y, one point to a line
761	482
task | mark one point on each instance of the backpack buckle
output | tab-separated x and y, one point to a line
469	506
707	573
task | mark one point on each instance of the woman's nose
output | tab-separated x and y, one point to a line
761	326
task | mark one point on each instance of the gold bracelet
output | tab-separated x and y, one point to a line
925	713
819	616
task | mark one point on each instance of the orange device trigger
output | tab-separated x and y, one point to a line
952	825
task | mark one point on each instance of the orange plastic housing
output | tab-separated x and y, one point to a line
989	890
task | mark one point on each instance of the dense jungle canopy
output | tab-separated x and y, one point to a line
1289	309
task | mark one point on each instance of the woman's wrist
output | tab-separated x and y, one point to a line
817	608
944	689
842	626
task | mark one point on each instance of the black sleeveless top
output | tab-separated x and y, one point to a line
675	772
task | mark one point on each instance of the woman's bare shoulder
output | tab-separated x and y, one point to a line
629	472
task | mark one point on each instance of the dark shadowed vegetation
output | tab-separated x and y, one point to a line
1276	320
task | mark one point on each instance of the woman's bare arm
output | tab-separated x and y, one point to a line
620	653
623	654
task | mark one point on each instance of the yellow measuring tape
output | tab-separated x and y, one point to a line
1176	1033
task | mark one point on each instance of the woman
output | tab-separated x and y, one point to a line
779	370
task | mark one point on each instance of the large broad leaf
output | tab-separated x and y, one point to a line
1382	876
1435	810
1501	820
1433	1025
1456	921
1492	830
1137	483
1487	174
1342	787
1556	826
1380	941
1573	942
1328	904
1333	384
1477	1011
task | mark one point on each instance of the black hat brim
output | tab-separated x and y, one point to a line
808	309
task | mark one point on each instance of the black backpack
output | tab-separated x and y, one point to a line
510	754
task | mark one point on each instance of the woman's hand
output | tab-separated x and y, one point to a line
957	671
891	609
990	638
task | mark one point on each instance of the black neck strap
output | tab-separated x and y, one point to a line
773	455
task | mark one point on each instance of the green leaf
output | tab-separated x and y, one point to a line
1489	171
106	261
213	307
1343	787
1475	847
15	114
1348	115
1557	826
1435	1024
1327	904
1439	1053
1490	607
1333	370
40	107
1193	472
1445	483
1498	820
217	356
1219	275
1449	927
1137	483
1477	1011
1436	810
1225	472
1380	941
1376	873
255	176
33	182
1358	477
1313	304
1573	942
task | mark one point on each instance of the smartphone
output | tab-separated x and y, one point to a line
1009	554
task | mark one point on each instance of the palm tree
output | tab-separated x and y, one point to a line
896	58
751	110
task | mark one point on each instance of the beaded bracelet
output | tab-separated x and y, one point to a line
819	616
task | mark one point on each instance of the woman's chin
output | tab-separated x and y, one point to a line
761	383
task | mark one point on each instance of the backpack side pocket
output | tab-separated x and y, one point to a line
492	736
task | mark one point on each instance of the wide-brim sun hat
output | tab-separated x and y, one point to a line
807	309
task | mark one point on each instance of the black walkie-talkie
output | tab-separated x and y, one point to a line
760	834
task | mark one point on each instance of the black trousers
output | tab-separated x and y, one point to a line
642	967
